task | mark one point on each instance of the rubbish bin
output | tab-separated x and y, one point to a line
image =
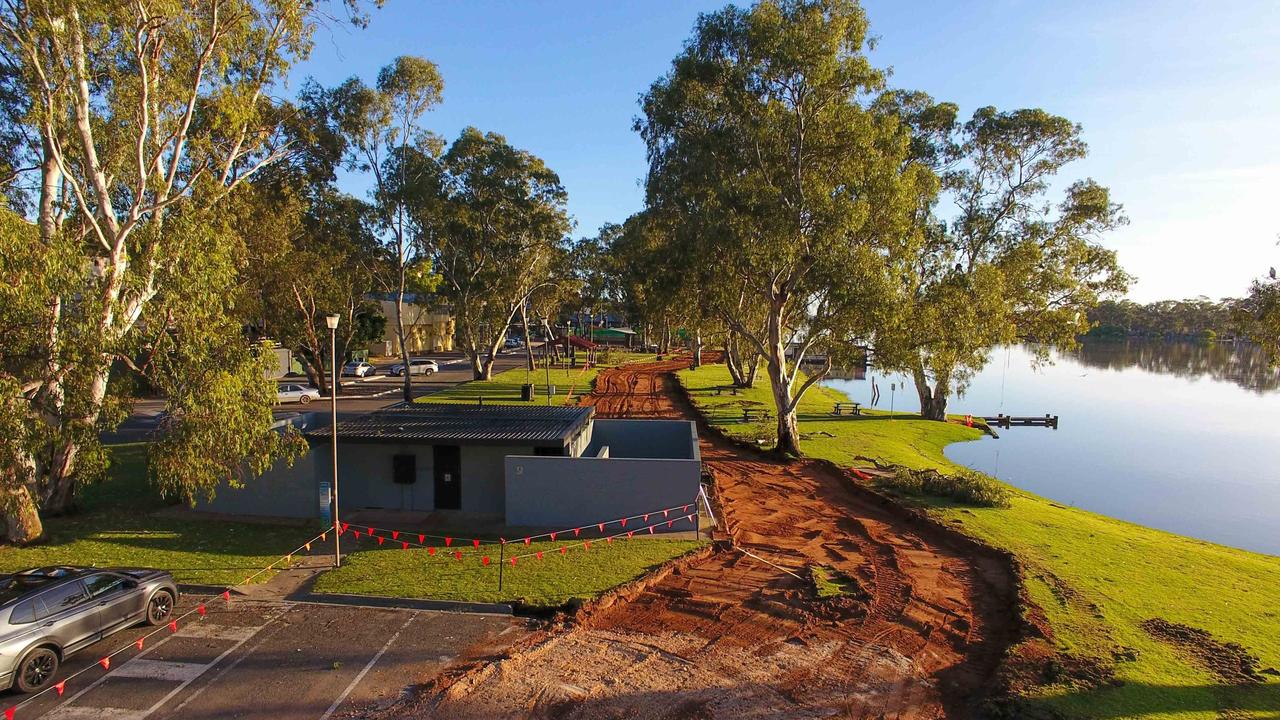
526	392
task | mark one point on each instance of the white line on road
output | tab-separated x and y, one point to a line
367	667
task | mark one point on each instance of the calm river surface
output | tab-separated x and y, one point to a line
1177	436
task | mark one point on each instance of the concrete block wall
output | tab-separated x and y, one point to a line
565	492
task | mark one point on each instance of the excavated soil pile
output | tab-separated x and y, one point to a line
736	636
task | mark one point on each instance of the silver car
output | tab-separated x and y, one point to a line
296	393
48	613
417	366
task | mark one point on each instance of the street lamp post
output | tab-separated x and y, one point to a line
332	321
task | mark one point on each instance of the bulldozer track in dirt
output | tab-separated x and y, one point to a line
730	636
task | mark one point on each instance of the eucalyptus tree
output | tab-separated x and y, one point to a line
136	120
1257	315
789	186
382	125
492	219
1008	266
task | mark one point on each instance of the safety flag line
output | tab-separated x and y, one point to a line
105	662
373	530
586	544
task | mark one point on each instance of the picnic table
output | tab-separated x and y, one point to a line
755	413
733	390
853	408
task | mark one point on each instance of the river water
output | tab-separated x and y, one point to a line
1177	436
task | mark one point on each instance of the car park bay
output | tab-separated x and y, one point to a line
268	659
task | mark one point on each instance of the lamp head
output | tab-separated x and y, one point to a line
332	320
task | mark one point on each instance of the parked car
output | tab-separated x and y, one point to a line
296	393
417	366
513	343
359	369
49	613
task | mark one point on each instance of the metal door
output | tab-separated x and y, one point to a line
447	468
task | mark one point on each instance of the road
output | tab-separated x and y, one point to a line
358	396
270	660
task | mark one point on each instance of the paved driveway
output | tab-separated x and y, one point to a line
270	660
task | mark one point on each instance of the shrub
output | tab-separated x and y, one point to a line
966	486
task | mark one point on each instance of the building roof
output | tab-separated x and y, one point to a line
464	424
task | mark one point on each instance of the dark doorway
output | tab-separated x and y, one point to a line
448	475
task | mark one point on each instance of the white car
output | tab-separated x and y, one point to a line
359	369
296	393
417	366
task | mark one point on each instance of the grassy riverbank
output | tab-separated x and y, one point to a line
1098	579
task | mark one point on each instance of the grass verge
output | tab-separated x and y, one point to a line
504	388
549	582
1100	581
118	527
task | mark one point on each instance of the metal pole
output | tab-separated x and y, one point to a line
502	561
333	435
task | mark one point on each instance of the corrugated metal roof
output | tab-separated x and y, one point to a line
463	424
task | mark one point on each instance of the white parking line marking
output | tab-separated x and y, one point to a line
209	631
93	713
356	681
161	670
218	675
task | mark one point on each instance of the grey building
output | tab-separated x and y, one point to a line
528	466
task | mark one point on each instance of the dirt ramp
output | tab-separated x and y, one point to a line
740	633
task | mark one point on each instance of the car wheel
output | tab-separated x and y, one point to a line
304	399
159	607
431	372
36	670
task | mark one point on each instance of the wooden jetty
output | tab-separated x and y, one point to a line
1008	421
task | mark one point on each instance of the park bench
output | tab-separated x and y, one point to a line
749	414
733	389
852	408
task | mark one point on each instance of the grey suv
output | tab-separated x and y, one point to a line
48	613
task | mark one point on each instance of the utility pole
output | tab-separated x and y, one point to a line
332	321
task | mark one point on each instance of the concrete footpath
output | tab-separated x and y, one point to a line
271	659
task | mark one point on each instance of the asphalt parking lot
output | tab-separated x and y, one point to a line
267	659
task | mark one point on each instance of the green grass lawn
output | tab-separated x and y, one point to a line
117	527
504	389
1096	578
549	582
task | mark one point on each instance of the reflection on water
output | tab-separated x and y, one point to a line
1240	363
1179	436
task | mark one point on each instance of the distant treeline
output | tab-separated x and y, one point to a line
1199	318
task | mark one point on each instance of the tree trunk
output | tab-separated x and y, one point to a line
528	348
697	348
407	389
752	371
731	362
21	518
933	401
780	384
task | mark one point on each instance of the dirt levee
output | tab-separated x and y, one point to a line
740	633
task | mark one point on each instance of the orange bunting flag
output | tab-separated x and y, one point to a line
308	547
526	541
226	595
448	541
630	533
105	663
539	554
457	555
623	522
502	540
381	539
404	545
201	610
345	526
609	539
689	517
9	711
173	626
650	529
576	531
669	522
356	533
563	551
138	644
601	526
395	534
513	562
431	551
61	687
664	513
485	560
646	517
475	543
371	531
553	537
586	545
288	559
422	539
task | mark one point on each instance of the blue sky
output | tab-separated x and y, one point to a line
1180	101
